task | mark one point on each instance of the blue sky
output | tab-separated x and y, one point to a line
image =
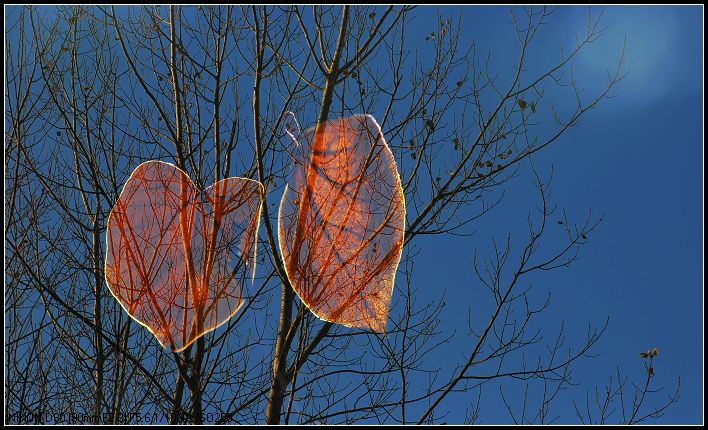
637	159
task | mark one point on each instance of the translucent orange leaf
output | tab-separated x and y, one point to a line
341	222
177	259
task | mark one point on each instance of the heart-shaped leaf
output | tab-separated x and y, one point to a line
178	259
341	222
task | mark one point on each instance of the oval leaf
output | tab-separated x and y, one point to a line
178	259
341	223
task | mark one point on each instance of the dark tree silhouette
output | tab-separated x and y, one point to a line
93	91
